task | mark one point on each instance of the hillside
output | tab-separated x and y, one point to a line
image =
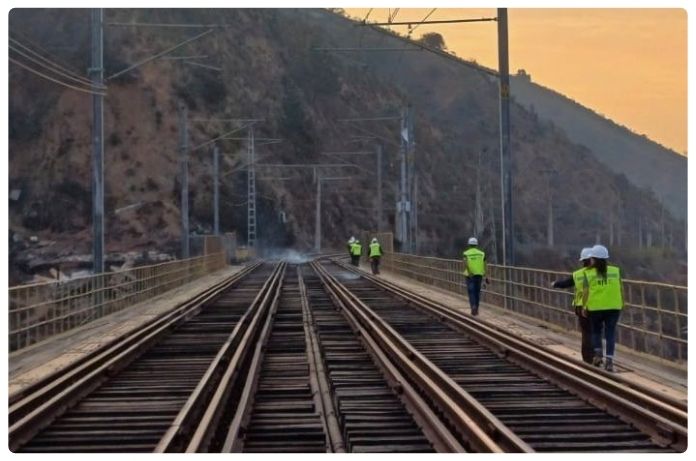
270	71
644	162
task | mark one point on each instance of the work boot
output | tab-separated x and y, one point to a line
609	365
474	310
597	361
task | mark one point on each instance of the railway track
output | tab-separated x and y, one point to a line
314	386
533	395
321	358
137	395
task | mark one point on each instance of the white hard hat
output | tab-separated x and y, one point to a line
374	240
352	239
473	241
586	253
599	252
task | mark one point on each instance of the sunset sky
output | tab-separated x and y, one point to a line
628	64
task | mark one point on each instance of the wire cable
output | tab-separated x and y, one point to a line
28	41
59	72
67	85
73	75
423	20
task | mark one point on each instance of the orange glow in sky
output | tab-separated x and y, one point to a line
627	64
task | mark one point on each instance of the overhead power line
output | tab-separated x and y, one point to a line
27	41
73	76
53	69
40	74
439	21
423	20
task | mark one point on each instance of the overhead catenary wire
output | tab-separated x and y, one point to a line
67	85
53	69
423	20
27	41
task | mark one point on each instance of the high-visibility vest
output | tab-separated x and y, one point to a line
604	293
475	261
356	249
375	249
579	280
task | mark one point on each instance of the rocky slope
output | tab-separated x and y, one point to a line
271	71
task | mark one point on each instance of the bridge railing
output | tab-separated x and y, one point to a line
42	310
653	321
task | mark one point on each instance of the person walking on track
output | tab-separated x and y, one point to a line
375	255
474	271
602	302
577	280
355	253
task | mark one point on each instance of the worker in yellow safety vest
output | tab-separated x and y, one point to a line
355	253
375	255
602	302
577	280
474	271
350	246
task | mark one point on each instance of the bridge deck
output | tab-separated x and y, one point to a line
31	364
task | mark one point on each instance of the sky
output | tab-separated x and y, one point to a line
628	64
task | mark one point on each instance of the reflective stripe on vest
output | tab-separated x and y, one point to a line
474	262
375	250
604	294
579	280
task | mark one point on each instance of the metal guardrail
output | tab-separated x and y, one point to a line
39	311
653	321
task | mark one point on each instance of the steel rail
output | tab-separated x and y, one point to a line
665	400
244	406
481	430
38	405
661	418
433	427
176	437
318	376
204	431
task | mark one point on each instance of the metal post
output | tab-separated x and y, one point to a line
216	190
97	77
379	187
183	151
411	169
505	158
251	198
415	215
402	204
317	216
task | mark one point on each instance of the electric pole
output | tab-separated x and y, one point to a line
97	76
251	190
317	214
183	158
216	190
403	205
505	157
379	187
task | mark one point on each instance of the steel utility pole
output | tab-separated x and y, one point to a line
505	157
97	76
251	192
183	159
216	190
403	205
317	213
379	187
411	182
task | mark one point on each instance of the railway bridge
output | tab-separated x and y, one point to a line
315	355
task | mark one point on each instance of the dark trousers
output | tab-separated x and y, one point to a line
585	329
473	286
374	262
355	260
604	322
